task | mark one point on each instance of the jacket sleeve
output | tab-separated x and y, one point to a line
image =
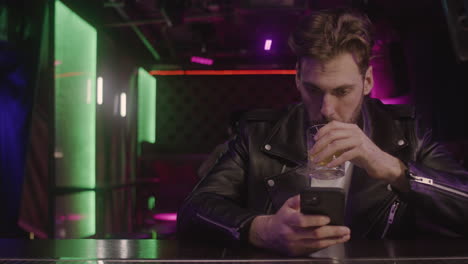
216	208
439	188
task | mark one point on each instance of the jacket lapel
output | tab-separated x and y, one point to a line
383	128
286	142
287	139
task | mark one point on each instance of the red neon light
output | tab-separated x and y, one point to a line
167	72
225	72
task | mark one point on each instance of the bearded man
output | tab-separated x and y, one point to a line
399	183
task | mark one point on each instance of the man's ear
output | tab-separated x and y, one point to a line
368	81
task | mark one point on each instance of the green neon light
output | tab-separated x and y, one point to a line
146	107
151	203
75	107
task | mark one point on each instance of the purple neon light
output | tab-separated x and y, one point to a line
166	217
268	44
397	100
201	60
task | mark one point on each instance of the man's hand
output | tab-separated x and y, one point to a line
291	232
355	146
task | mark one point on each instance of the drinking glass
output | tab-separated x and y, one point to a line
320	170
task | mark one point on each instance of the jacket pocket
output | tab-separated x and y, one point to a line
379	219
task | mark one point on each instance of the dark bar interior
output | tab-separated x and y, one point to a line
113	111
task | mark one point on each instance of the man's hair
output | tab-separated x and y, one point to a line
325	34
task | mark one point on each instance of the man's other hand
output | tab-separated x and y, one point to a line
293	233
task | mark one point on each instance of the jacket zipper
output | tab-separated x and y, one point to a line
391	217
430	182
381	211
232	230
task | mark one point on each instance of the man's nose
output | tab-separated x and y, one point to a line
328	106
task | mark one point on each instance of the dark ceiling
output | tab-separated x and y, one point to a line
167	33
231	33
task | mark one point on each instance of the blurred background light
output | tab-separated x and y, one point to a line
100	90
166	217
200	60
123	105
268	43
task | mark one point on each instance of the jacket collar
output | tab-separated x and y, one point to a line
385	126
287	138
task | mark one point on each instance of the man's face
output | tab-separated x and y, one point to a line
334	89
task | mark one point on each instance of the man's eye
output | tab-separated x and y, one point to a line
313	90
341	92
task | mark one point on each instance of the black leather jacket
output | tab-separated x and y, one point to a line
257	175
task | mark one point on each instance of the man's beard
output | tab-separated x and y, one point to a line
354	119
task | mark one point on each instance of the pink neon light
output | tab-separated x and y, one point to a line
201	60
397	100
166	217
268	44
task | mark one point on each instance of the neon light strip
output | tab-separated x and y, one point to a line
146	107
267	44
100	83
201	60
123	105
225	72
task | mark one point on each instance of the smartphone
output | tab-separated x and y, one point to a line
324	201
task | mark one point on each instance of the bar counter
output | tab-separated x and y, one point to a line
74	251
